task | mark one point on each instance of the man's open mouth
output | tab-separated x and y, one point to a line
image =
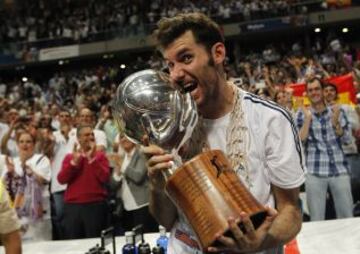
189	87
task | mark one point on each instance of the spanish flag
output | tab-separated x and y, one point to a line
344	84
338	3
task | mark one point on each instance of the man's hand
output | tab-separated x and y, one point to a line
158	161
305	110
90	154
336	114
160	206
117	161
335	120
76	155
247	240
307	114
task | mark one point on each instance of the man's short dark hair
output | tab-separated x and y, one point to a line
328	84
205	30
312	80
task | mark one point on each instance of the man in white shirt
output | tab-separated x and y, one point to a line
261	141
64	142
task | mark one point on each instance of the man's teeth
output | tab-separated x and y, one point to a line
190	87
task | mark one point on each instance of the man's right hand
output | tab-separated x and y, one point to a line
76	155
305	110
158	161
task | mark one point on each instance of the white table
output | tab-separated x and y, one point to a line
80	246
340	236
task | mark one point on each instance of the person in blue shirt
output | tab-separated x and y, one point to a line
323	130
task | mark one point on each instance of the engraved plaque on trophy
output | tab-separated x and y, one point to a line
206	189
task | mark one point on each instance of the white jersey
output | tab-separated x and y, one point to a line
274	156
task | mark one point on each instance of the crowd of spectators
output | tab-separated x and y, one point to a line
38	124
273	67
83	21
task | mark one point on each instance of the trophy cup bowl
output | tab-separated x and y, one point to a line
206	189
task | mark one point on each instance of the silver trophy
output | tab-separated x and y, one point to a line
148	107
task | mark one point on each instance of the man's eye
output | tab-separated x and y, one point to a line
187	58
170	65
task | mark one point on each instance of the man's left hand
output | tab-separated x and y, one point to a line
248	240
336	114
91	152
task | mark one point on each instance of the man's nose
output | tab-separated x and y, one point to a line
177	73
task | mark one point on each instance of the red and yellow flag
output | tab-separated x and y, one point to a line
344	84
339	3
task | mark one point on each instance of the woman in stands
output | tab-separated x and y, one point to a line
31	173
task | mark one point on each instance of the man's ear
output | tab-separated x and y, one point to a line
218	53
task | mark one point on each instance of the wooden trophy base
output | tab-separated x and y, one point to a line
208	192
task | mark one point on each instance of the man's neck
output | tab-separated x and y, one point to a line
222	104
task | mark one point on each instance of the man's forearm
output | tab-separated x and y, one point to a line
304	130
162	208
284	228
12	242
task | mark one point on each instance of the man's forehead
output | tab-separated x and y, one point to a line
86	113
330	88
86	130
314	84
180	45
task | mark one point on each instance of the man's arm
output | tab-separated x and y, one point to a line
69	169
304	130
278	228
288	221
12	242
160	206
